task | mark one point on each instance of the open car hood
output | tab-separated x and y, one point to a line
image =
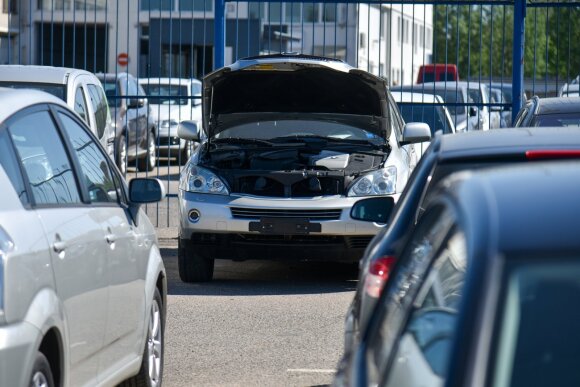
287	87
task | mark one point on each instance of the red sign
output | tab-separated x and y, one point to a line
123	59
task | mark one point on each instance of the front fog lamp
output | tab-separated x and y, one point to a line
381	182
201	180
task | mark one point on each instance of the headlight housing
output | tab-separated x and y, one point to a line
381	182
201	180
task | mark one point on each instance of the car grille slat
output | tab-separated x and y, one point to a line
313	215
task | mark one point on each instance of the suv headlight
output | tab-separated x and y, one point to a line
200	180
381	182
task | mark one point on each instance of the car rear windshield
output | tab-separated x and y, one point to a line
58	91
568	119
538	335
166	94
430	114
451	95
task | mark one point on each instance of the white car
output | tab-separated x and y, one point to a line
82	283
172	100
294	143
79	89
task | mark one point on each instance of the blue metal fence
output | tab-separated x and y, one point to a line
524	46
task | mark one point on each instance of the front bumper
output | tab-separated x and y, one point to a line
220	232
17	353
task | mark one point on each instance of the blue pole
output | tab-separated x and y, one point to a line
219	34
518	56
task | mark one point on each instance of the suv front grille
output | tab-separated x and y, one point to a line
312	215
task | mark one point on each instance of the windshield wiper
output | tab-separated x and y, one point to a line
240	140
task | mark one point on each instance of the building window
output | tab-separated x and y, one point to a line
274	12
196	5
293	12
157	5
311	13
329	14
10	6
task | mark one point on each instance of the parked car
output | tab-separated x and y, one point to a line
557	111
436	72
79	89
446	155
464	112
484	293
427	108
496	96
82	282
173	100
507	91
135	131
479	94
570	89
293	142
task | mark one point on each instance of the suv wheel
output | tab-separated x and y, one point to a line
151	371
193	267
41	373
148	162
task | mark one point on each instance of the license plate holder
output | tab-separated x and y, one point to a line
285	226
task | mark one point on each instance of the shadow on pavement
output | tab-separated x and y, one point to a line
258	278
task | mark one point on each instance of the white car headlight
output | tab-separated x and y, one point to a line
381	182
197	179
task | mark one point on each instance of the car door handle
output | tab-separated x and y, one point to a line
59	246
110	238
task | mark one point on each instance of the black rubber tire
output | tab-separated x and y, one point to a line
41	366
193	267
142	379
148	162
119	158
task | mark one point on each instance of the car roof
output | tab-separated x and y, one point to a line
13	100
406	96
522	208
112	76
40	74
167	81
480	144
558	105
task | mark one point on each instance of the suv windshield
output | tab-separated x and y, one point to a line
166	94
58	91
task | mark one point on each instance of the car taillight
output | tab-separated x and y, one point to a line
378	275
553	154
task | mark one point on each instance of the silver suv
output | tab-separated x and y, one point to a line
293	143
80	89
82	282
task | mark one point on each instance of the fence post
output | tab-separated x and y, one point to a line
518	56
219	33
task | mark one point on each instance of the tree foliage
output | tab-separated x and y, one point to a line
479	38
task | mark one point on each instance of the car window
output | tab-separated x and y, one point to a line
10	164
538	329
166	94
430	114
45	160
94	163
132	90
112	91
475	95
80	106
401	289
99	101
424	346
557	119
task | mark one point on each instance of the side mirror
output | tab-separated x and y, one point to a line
134	103
188	130
146	190
472	111
415	132
376	210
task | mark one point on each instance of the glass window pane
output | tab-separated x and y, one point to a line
293	12
311	12
45	160
256	10
157	5
11	167
196	5
94	165
80	105
102	115
330	12
274	10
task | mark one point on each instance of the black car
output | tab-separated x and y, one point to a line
487	288
445	155
558	111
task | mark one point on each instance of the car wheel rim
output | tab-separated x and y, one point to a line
154	344
151	151
39	380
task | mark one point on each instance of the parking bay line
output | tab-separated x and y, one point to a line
311	371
